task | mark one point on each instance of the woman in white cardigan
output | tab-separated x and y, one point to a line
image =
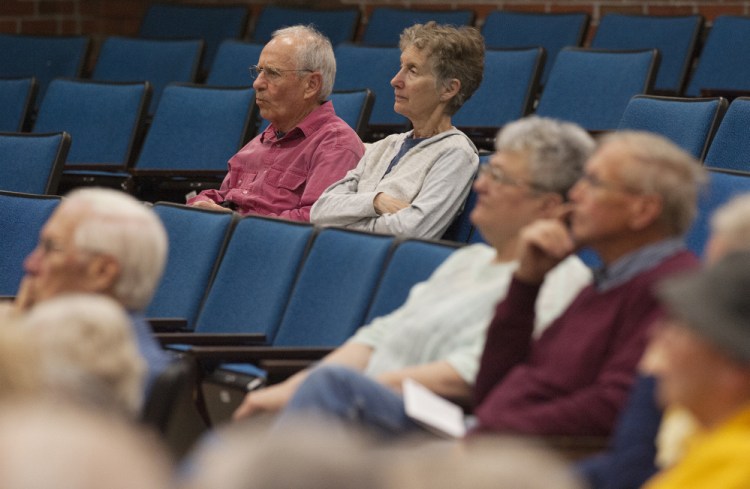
413	184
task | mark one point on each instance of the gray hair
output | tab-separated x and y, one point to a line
663	169
455	52
732	222
88	349
120	226
556	150
314	53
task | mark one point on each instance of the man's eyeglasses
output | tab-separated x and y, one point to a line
498	175
271	74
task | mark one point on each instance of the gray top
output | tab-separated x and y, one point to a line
435	177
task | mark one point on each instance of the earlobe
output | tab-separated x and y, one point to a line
646	211
450	89
314	84
104	272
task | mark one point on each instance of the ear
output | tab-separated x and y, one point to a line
102	271
450	89
549	204
313	85
645	210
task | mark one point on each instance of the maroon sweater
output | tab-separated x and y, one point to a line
575	378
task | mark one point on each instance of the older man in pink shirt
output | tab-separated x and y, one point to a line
283	170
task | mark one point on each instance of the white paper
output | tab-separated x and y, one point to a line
432	411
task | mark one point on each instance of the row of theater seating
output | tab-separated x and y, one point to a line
197	129
178	60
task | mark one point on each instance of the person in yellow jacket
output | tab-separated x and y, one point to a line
706	370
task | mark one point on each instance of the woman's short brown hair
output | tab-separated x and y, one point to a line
456	52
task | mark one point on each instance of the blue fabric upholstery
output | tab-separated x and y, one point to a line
197	238
339	25
412	261
675	37
507	29
507	92
370	67
730	147
385	24
17	97
230	66
22	217
354	107
44	57
255	277
461	229
721	188
722	62
197	128
688	122
159	61
102	118
593	87
212	23
32	163
335	286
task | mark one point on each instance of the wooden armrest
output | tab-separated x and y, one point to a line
167	325
727	93
219	339
95	167
255	354
577	447
177	173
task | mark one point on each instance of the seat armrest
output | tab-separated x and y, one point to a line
255	354
218	339
167	325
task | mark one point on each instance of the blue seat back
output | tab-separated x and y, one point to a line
338	25
17	97
334	289
676	38
230	66
212	23
721	188
354	107
103	118
43	57
593	87
721	62
461	229
688	122
158	61
507	29
197	238
508	89
730	147
385	24
255	277
360	67
197	128
411	262
32	163
22	217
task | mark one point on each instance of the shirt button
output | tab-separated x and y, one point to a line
239	181
244	192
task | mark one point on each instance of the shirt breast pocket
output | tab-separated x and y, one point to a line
243	180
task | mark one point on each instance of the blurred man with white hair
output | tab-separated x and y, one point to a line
101	241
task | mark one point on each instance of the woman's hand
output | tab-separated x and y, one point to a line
387	204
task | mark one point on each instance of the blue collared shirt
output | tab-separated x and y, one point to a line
636	262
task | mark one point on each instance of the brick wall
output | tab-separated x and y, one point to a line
100	18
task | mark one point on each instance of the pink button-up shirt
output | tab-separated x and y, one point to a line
284	177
